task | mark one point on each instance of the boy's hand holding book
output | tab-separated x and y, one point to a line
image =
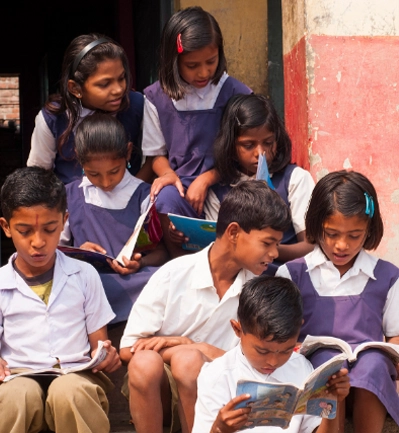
229	418
111	362
4	370
338	384
131	266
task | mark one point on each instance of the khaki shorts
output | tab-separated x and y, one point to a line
175	425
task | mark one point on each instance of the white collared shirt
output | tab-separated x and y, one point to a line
300	189
43	143
194	99
33	334
180	299
217	384
327	281
118	198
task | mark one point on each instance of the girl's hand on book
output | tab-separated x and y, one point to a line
91	246
111	362
169	178
131	266
4	370
338	384
176	236
229	419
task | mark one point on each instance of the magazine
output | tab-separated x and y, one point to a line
274	404
312	343
99	357
146	235
199	232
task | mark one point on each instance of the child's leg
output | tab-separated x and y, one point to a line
186	365
22	406
77	403
149	392
368	412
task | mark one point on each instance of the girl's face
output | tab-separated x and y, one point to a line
104	88
344	237
199	67
250	144
105	171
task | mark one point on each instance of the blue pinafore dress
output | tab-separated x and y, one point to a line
67	168
189	138
110	228
355	319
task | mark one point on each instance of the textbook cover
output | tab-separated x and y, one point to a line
146	235
199	232
274	404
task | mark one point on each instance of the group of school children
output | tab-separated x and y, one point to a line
286	262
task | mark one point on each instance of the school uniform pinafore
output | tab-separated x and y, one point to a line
189	138
355	319
110	228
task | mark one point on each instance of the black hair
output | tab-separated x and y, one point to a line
65	101
253	206
343	191
100	133
270	307
32	186
198	29
244	112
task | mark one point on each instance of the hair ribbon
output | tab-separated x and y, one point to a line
179	44
369	205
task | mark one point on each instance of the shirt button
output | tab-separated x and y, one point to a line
197	339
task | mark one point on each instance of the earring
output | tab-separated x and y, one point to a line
129	165
79	95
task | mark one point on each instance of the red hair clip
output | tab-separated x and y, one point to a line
179	44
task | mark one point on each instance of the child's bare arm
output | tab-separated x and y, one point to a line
294	251
4	370
112	361
229	419
338	384
198	190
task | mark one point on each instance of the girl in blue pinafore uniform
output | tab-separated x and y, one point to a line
250	126
350	294
105	206
95	77
182	113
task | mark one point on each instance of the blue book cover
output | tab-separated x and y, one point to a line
200	232
262	172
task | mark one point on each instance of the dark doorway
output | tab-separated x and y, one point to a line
34	36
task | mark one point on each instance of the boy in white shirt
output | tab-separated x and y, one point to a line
268	325
181	317
53	312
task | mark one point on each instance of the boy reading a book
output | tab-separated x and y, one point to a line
268	325
181	316
53	312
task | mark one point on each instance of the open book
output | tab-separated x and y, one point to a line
274	404
200	232
312	343
99	357
146	235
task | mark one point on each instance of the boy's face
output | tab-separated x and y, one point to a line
265	355
256	249
35	232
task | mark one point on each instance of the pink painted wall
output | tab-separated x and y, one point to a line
347	106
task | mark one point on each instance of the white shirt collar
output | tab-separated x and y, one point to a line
364	262
122	184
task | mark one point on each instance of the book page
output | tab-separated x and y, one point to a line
99	357
389	348
272	404
314	399
128	249
312	343
262	173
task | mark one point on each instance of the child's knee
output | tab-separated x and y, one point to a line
186	365
145	368
21	392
